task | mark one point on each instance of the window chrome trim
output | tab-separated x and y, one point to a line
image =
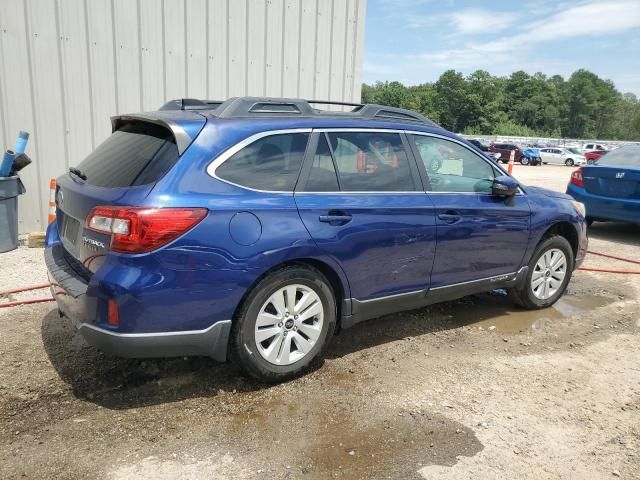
231	151
224	156
358	130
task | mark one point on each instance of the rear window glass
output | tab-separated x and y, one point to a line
622	157
138	153
272	163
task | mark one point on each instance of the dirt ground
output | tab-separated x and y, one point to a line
469	389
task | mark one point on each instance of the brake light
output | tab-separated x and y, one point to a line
576	178
140	229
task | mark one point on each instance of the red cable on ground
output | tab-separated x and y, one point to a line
25	302
24	289
589	269
606	270
615	258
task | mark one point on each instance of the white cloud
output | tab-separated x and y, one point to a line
609	17
473	21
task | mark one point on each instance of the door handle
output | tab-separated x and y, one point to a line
335	218
450	217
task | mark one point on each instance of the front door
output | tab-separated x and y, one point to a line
361	199
479	235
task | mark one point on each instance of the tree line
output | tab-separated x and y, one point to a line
584	106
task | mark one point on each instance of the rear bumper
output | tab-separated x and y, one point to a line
607	208
211	342
77	299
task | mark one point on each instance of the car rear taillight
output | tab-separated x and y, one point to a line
140	229
576	178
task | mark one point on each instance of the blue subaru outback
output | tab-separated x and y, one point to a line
256	228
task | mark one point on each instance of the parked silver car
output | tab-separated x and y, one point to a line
561	156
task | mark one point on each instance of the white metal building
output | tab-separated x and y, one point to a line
67	66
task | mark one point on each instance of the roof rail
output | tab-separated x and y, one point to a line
383	112
242	107
263	106
191	104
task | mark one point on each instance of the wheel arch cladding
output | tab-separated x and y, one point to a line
329	273
566	230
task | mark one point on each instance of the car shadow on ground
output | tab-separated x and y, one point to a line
625	233
118	383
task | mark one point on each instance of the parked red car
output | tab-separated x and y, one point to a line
504	149
595	155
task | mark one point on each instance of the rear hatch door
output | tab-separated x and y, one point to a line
121	171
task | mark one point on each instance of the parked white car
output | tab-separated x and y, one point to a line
590	147
561	156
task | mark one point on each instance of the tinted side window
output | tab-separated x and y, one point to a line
452	167
371	161
271	163
137	154
323	176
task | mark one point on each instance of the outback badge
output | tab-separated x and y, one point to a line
91	244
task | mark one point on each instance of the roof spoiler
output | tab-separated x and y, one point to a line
182	138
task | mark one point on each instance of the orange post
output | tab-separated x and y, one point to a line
511	159
52	200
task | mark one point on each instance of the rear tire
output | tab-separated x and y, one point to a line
267	342
569	162
524	161
550	271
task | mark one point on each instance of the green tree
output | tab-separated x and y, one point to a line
584	106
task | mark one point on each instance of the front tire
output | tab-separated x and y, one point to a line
284	324
524	160
550	271
569	162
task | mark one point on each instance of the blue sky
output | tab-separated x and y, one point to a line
414	41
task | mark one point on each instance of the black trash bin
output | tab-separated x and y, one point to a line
10	188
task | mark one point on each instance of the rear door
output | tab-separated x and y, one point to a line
545	155
554	156
479	235
361	199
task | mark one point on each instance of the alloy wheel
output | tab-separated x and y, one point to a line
289	324
549	273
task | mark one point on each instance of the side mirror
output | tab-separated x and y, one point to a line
504	186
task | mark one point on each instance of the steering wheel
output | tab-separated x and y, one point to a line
434	165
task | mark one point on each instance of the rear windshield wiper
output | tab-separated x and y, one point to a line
77	172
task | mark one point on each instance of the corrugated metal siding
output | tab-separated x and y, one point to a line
67	66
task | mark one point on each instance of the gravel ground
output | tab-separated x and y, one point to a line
469	389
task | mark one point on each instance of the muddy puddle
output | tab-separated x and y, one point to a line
496	310
318	440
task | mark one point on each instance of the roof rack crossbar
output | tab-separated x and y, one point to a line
333	102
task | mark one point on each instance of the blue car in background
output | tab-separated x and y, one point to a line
610	187
256	228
